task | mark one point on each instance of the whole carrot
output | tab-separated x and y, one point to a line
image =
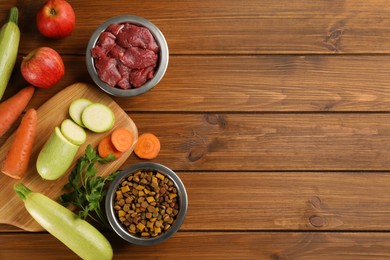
13	107
19	153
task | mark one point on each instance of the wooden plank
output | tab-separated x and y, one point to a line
261	142
271	83
253	201
287	201
280	83
245	27
217	245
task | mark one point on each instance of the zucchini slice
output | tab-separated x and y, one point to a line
98	118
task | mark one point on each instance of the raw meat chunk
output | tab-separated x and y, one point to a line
106	41
117	52
136	58
107	70
136	36
139	77
115	28
98	52
124	82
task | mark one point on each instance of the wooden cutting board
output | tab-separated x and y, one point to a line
50	115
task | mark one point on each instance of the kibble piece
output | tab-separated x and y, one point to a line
121	213
144	204
172	195
132	228
126	208
140	187
166	227
150	224
140	226
125	189
150	199
121	202
160	176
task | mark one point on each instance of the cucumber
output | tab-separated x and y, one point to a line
77	234
56	156
9	44
98	118
76	108
73	132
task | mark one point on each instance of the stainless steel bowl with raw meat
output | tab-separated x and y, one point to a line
127	56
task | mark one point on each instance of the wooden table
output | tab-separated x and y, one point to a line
275	114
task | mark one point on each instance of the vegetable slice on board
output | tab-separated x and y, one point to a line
73	132
18	156
13	107
77	234
122	139
98	118
105	148
76	109
148	146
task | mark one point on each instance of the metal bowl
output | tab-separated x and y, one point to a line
121	229
160	68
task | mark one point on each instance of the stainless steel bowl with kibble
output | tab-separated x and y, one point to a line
127	56
146	203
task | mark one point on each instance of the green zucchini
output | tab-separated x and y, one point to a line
77	234
9	44
56	156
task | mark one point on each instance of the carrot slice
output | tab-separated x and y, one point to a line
13	107
18	156
122	139
148	146
105	148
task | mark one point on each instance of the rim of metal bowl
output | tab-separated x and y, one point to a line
162	63
118	227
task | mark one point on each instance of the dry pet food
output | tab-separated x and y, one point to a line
147	203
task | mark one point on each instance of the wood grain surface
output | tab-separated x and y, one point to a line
50	115
242	245
252	84
233	27
275	114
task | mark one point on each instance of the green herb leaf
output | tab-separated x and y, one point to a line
86	187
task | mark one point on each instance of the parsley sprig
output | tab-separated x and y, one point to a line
86	187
